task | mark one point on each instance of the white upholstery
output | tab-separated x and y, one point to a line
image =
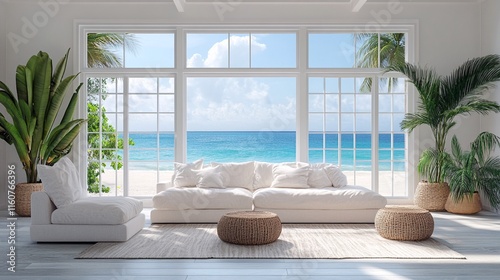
201	198
43	230
98	211
312	203
348	197
240	175
61	182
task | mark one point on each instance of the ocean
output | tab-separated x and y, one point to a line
271	146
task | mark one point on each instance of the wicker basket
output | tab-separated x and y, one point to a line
468	205
249	227
431	196
23	197
404	223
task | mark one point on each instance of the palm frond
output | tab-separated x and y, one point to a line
473	77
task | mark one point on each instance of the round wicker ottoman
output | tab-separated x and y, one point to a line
249	227
401	222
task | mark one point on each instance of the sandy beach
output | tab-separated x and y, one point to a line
143	182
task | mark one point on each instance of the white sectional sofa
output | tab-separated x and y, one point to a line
297	192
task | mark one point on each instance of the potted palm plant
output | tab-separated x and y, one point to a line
33	113
442	98
471	172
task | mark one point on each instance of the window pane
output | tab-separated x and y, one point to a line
367	49
143	85
207	50
316	122
130	50
251	119
143	103
274	50
392	47
316	85
316	103
331	50
239	50
149	50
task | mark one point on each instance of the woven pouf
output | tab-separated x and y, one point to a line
249	227
400	222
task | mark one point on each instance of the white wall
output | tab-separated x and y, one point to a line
448	33
490	44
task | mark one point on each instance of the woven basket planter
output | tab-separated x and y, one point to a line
431	196
23	197
249	227
468	205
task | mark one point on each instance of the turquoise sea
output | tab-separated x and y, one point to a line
238	146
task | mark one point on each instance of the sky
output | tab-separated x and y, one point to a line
250	103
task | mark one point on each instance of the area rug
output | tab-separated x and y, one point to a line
297	241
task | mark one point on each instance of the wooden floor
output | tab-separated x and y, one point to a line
476	237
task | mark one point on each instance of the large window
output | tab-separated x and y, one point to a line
158	95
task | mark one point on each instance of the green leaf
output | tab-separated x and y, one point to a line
70	110
58	75
55	103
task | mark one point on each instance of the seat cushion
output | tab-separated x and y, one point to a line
347	197
98	211
203	198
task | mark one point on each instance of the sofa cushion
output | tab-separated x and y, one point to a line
334	173
203	198
318	178
240	175
61	182
210	177
290	177
184	174
98	211
263	177
347	197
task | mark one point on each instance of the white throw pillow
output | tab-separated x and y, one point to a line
290	177
61	182
336	176
210	177
240	175
263	177
318	178
185	175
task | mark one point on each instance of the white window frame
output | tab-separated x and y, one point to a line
301	72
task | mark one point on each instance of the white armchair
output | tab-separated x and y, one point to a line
91	219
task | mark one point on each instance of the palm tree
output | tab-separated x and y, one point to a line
392	51
442	98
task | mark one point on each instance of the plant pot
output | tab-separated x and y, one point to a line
467	205
431	196
23	197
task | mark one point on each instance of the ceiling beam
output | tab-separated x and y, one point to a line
180	4
356	5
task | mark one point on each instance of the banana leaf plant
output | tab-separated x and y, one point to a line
474	170
32	127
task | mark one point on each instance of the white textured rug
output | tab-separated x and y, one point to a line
297	241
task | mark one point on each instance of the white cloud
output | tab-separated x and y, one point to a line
217	55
